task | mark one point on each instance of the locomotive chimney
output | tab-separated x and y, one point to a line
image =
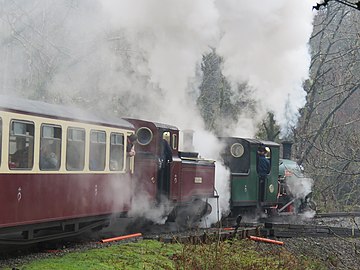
286	145
188	135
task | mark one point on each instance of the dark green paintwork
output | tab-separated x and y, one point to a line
245	186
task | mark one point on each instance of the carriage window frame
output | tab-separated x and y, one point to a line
14	164
99	157
71	140
56	147
114	164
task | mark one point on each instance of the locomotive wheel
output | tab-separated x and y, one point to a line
310	205
307	205
187	216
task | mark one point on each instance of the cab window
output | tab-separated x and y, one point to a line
97	150
116	152
50	148
237	156
21	145
166	136
174	142
263	160
75	149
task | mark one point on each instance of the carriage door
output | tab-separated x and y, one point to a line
165	157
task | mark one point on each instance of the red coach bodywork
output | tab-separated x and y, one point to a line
37	203
93	179
34	198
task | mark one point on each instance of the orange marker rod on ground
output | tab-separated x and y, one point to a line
266	240
121	237
228	229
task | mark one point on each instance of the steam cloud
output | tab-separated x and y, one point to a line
299	187
144	56
266	45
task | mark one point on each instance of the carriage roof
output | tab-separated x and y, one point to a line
43	109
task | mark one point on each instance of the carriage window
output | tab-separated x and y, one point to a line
116	152
21	145
50	148
75	149
97	150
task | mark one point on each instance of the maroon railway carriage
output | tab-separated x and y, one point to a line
185	183
84	178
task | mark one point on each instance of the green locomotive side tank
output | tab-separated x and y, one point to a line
241	157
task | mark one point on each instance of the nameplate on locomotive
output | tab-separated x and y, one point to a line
198	180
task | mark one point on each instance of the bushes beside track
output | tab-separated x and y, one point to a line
238	254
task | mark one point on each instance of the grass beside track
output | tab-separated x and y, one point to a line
148	254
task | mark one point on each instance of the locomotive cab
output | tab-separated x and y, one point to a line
241	156
155	148
168	176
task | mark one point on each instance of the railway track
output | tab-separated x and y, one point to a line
295	230
265	229
337	214
205	236
272	230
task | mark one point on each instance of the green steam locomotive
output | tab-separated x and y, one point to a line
274	195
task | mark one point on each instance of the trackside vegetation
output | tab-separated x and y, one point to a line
149	254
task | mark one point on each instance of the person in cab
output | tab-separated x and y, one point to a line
263	169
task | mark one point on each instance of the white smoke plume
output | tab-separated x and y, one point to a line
203	140
145	55
266	44
118	192
152	49
220	204
299	187
141	207
172	36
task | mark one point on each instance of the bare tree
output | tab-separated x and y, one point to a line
326	140
219	104
268	129
29	37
